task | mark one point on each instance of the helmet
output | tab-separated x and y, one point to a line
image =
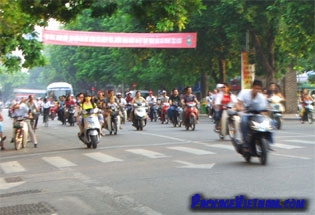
150	92
118	94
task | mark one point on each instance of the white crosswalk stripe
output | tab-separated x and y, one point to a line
12	167
286	146
147	153
191	150
104	158
221	146
58	162
301	141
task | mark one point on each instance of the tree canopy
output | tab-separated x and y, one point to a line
281	35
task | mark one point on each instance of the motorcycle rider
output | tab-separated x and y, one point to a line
122	103
128	105
275	95
189	97
61	109
304	96
22	110
32	105
221	100
174	101
87	103
209	107
250	98
137	99
151	100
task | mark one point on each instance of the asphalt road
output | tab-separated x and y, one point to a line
155	171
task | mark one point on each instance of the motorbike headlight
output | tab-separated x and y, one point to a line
262	126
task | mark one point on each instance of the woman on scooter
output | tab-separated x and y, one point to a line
86	104
136	99
221	101
304	96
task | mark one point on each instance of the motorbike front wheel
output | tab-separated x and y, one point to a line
261	149
192	121
310	117
18	141
278	123
94	141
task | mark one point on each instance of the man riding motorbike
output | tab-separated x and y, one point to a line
137	99
151	100
174	101
249	98
189	97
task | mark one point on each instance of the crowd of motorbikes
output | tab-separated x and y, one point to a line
260	124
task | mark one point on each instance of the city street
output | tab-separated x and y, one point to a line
151	172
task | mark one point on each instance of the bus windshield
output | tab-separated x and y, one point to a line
57	89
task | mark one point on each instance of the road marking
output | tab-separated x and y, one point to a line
194	166
12	167
301	141
163	136
191	150
147	153
285	146
221	146
104	158
4	185
58	162
292	156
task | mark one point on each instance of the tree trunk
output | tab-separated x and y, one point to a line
267	62
204	85
222	68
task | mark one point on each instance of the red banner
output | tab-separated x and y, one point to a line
122	40
248	71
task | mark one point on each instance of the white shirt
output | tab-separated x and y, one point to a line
122	102
257	103
151	100
21	111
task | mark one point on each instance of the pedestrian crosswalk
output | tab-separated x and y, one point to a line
162	152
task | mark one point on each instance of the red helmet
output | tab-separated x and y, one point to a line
150	92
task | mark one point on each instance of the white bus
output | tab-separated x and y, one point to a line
57	89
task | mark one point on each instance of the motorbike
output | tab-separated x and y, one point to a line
276	111
163	116
259	132
140	116
21	132
91	128
123	115
113	120
53	112
307	115
229	122
71	117
176	116
128	108
190	116
153	112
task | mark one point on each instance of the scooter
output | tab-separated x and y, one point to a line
229	122
259	133
153	112
276	111
113	120
163	117
21	132
91	128
177	113
190	116
308	115
53	112
140	116
71	117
